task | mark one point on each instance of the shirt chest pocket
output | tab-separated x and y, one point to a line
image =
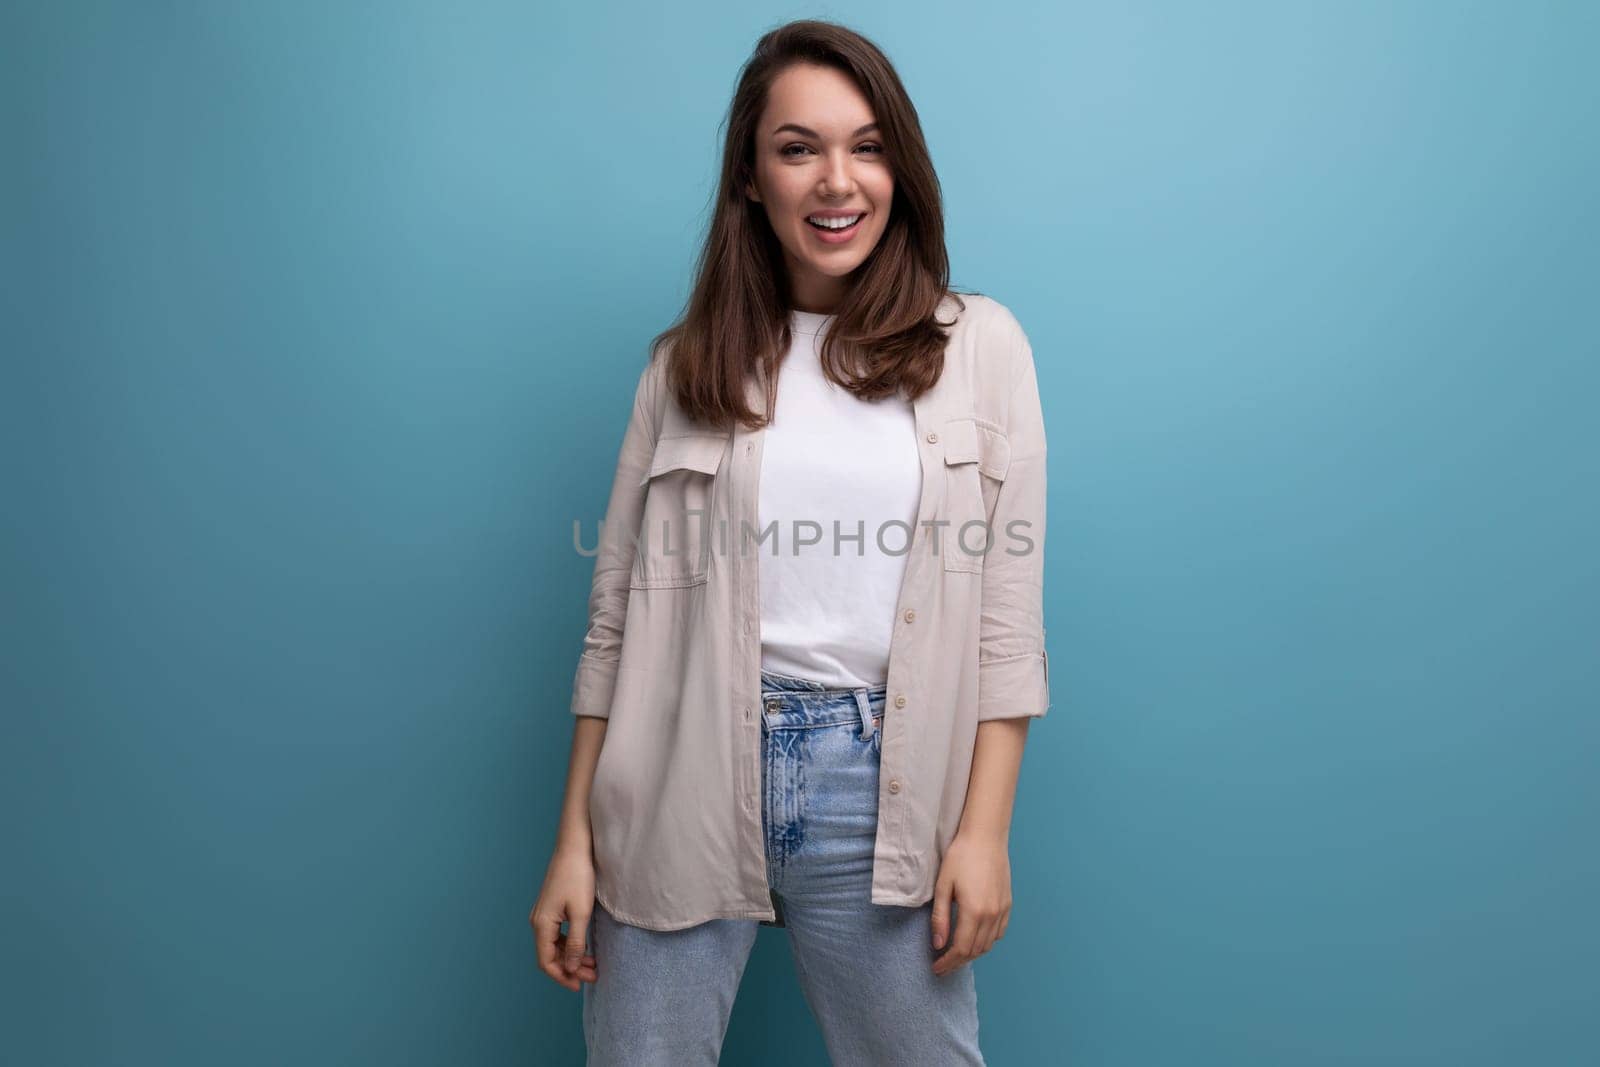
676	526
976	457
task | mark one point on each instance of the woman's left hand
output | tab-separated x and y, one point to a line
976	870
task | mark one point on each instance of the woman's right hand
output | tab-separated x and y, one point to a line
568	893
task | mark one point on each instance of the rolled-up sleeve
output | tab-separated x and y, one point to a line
1013	667
596	676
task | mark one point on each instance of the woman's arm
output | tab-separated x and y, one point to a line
573	833
992	789
568	890
976	869
1013	679
596	676
1013	673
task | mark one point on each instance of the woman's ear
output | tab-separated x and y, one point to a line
750	192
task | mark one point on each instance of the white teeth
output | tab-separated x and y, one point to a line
834	224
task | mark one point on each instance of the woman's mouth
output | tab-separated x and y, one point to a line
835	231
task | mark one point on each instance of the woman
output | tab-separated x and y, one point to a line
822	732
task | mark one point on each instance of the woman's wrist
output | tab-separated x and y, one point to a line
579	843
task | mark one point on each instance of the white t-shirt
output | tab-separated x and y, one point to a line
827	607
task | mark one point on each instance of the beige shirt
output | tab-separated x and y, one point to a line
672	656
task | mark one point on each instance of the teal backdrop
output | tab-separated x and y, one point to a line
320	325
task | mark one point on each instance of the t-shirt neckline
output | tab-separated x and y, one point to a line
811	322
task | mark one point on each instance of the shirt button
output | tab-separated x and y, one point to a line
749	448
894	785
933	438
911	615
900	700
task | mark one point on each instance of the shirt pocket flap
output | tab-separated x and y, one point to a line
697	452
968	441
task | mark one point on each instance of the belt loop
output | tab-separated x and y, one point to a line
866	713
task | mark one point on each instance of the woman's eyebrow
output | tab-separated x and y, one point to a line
807	132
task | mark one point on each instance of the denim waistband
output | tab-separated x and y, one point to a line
795	702
772	681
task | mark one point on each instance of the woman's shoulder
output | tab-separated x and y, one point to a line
994	335
992	314
649	393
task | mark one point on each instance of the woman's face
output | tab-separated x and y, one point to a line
818	154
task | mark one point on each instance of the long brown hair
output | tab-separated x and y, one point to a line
736	321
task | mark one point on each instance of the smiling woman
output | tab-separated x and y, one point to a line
825	741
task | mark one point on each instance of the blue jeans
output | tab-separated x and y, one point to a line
665	997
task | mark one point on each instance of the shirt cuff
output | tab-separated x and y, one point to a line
1014	687
592	687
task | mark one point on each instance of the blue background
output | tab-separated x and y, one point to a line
320	328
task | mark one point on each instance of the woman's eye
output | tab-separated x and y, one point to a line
794	149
